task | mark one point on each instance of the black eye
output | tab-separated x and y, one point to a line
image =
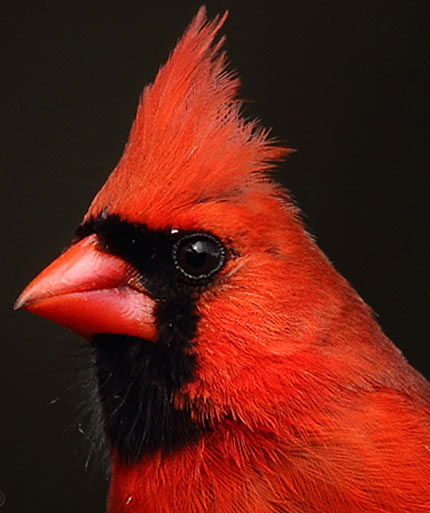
198	255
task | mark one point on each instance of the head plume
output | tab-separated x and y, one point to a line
189	142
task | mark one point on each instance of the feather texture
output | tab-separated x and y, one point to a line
289	396
189	142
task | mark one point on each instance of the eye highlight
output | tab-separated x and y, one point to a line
198	255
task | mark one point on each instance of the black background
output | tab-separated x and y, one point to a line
346	83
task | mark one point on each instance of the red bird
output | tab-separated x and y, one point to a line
237	371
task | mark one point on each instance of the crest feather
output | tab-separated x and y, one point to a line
189	142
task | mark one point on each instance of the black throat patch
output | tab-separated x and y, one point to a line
137	378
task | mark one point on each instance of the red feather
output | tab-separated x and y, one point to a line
189	143
311	408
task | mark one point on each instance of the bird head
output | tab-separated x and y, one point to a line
191	274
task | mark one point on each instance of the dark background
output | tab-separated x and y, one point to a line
346	83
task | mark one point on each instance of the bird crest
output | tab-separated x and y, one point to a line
189	142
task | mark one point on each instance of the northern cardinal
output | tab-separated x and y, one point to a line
237	371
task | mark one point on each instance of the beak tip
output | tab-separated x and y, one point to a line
20	302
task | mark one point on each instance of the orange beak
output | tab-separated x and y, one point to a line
91	292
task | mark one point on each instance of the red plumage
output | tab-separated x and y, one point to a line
311	408
189	143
